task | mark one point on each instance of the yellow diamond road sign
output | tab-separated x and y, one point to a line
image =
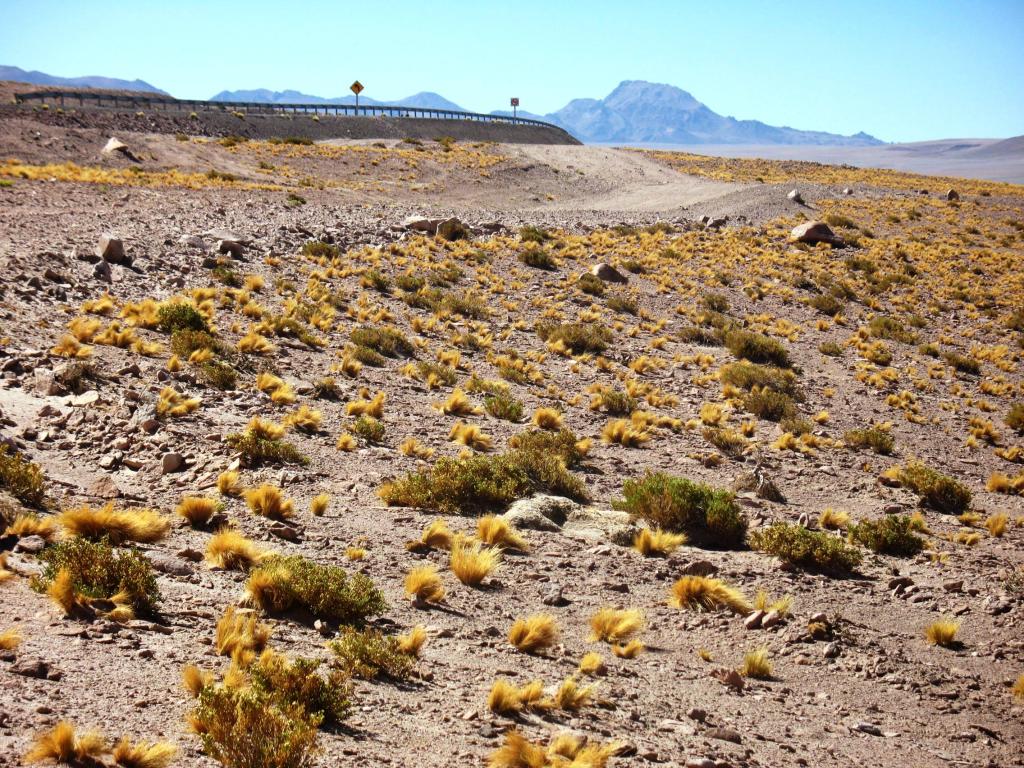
356	87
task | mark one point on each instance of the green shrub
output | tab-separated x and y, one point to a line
21	478
936	490
757	348
715	302
483	483
826	304
728	441
538	258
374	278
707	514
325	592
386	341
889	535
531	234
368	356
256	450
318	250
368	428
226	276
410	283
885	327
218	374
591	284
179	316
751	376
617	402
99	571
577	337
962	363
830	349
769	404
797	425
297	682
445	374
815	550
465	304
535	444
504	406
701	336
622	303
878	440
1015	418
248	728
931	350
184	342
369	654
836	220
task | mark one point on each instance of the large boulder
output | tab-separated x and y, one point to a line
608	273
555	513
452	229
421	224
111	250
813	232
795	196
541	512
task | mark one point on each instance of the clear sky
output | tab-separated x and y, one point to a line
902	70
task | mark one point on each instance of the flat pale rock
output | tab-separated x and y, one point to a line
608	273
111	249
812	232
114	145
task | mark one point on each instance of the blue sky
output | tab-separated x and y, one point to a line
903	70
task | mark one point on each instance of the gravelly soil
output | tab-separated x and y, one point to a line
879	696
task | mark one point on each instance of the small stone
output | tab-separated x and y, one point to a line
700	568
954	586
771	619
795	196
171	462
104	488
753	621
695	713
111	250
724	734
30	544
869	728
554	597
952	194
608	273
700	762
812	232
831	650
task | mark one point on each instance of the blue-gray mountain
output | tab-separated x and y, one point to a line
642	112
424	99
19	75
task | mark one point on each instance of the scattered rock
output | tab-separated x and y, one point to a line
699	568
754	620
608	273
952	194
554	596
724	734
540	512
812	232
795	196
452	229
171	462
104	488
173	566
30	545
111	250
115	145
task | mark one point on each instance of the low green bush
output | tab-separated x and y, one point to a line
814	550
936	490
326	592
757	348
890	535
179	316
878	440
21	478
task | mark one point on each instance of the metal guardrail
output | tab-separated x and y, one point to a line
66	99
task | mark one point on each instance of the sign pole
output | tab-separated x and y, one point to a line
356	88
515	106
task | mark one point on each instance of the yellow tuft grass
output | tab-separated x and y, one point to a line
194	679
996	524
373	407
423	583
252	342
304	419
471	436
170	402
63	745
782	606
143	754
497	532
10	639
412	643
458	404
268	501
318	504
657	543
241	636
611	625
142	525
1018	688
346	443
230	550
702	593
833	519
547	418
518	752
264	429
472	562
592	664
630	650
437	535
534	633
413	447
29	524
942	632
69	346
198	510
756	664
622	432
228	483
570	696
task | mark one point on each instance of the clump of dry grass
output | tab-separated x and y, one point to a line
119	526
170	402
592	664
942	633
424	584
29	524
318	504
472	562
622	432
497	532
571	697
534	633
547	418
241	636
412	643
141	754
611	625
198	510
230	550
10	639
194	679
702	593
437	535
756	665
458	404
996	524
471	436
507	698
630	650
63	745
268	501
228	483
658	543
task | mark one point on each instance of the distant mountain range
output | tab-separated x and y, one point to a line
424	99
635	112
19	75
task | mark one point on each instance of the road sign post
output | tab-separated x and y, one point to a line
356	88
515	105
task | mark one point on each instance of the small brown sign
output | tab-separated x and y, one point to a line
356	87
